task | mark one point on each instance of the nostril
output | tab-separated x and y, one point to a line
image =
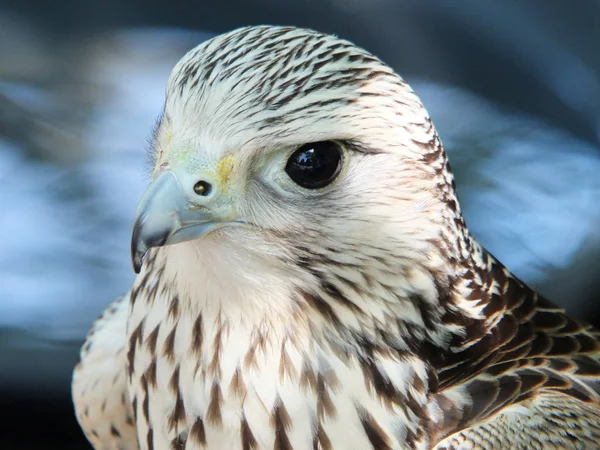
202	188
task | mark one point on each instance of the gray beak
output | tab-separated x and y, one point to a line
166	216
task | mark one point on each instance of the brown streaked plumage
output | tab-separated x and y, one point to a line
103	407
361	314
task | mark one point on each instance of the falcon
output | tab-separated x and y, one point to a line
307	281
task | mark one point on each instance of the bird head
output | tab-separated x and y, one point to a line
300	150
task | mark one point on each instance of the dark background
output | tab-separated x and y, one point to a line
513	88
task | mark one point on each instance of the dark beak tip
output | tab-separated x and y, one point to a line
137	255
137	262
142	240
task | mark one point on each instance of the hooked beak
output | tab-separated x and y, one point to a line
165	215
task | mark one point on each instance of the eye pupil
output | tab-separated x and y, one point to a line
202	188
315	165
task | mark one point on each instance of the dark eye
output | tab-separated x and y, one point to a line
315	165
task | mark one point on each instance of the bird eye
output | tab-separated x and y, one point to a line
315	165
202	188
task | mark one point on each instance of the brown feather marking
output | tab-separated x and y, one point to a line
215	365
377	437
150	439
281	422
249	358
169	345
379	384
152	291
286	365
134	293
197	336
323	308
113	431
321	441
146	401
174	381
308	378
151	339
248	440
197	432
418	384
177	416
325	406
213	413
134	408
134	339
331	380
237	385
151	373
174	308
452	415
581	393
258	343
334	293
484	395
179	442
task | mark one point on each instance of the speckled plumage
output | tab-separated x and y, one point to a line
362	315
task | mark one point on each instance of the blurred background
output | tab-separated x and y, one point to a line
513	88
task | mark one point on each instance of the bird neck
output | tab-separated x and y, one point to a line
429	310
